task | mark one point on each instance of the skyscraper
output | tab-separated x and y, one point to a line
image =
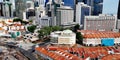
70	3
82	10
118	14
64	15
20	7
96	6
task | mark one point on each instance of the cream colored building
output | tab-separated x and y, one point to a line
63	37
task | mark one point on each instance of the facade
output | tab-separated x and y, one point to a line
118	14
20	8
101	22
58	1
118	24
96	6
39	13
82	10
63	37
45	21
69	3
7	8
102	38
41	2
64	15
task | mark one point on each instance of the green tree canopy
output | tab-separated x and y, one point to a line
31	28
17	20
20	20
79	37
76	27
56	28
47	30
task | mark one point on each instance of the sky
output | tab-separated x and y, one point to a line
1	0
110	6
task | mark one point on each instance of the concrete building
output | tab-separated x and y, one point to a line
7	8
40	2
45	21
101	22
10	28
63	37
64	15
39	13
82	10
20	7
114	10
94	38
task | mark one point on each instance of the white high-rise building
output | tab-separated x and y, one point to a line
29	5
82	10
64	15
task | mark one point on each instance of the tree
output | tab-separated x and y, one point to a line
48	30
30	21
24	22
45	32
31	28
20	20
76	27
42	33
56	28
79	37
17	20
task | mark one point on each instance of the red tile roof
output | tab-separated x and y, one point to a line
60	53
111	57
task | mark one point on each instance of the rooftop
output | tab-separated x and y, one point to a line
99	34
69	53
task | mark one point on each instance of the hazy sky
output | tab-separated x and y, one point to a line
110	6
1	0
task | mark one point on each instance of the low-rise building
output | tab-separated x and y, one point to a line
63	37
31	37
102	38
9	28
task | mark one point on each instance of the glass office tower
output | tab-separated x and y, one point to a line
118	14
70	3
